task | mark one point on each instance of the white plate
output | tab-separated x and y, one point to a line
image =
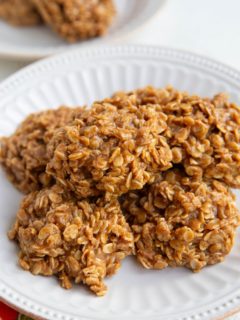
38	42
80	77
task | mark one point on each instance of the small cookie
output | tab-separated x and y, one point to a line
23	155
19	12
116	147
75	20
181	222
78	241
203	134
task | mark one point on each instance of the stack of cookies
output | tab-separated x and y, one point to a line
144	173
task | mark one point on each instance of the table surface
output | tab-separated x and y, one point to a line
207	27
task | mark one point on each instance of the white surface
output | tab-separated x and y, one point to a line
211	28
134	293
208	27
39	41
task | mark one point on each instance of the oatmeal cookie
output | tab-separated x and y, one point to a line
19	12
181	222
203	134
78	241
115	147
23	155
77	19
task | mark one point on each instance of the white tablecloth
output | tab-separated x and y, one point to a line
207	27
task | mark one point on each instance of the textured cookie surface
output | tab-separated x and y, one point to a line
77	19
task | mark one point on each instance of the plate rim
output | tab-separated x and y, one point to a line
123	33
33	308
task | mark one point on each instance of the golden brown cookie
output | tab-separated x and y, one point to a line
78	241
23	155
115	147
75	20
19	12
181	222
203	134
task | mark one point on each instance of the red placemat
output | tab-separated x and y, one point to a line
7	313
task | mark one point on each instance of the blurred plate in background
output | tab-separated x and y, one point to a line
38	42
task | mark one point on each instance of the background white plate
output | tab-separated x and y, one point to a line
80	77
37	42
